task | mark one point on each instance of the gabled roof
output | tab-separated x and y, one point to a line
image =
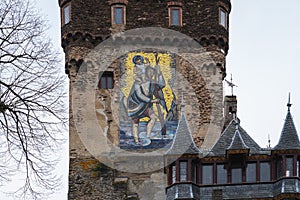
289	138
234	138
183	142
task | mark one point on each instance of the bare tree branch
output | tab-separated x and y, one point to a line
33	106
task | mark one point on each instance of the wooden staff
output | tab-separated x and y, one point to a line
156	93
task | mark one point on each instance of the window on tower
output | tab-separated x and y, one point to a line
175	13
106	80
118	15
183	171
298	167
289	166
66	14
223	18
173	173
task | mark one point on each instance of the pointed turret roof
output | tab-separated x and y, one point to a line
183	142
234	138
289	139
237	140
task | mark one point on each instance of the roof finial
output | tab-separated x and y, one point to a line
289	105
182	102
230	84
236	124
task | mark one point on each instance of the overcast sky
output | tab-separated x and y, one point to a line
263	58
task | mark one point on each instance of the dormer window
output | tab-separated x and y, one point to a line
175	13
66	14
223	18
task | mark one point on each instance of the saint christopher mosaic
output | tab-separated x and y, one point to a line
148	103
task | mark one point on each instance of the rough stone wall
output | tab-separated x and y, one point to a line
200	20
91	180
200	17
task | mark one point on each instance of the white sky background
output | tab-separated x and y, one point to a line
263	57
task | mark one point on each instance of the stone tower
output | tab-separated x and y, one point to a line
188	40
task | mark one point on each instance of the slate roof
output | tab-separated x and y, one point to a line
183	142
289	138
237	141
234	138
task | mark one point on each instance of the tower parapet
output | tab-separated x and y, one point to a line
87	23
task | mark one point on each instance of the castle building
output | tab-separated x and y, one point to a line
236	167
133	65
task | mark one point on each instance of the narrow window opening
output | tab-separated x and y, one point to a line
223	18
66	14
173	174
118	15
251	172
195	173
175	16
221	174
183	171
279	168
289	166
298	167
106	80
